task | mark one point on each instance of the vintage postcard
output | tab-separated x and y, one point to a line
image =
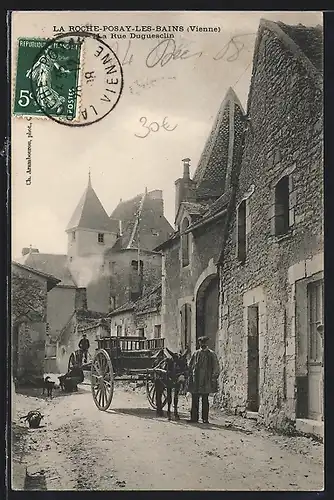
167	273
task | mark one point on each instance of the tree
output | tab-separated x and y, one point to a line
28	299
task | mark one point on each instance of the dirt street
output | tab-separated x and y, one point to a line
128	447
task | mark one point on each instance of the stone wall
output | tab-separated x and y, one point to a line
131	322
123	280
29	307
30	350
284	137
126	322
179	283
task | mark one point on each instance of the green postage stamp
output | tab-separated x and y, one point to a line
47	78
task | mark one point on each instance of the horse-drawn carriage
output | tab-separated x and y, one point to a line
124	358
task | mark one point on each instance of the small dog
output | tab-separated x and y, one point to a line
48	386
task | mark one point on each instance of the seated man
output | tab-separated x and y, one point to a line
69	382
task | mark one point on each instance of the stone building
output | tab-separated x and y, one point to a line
271	266
110	261
132	265
140	318
81	321
29	318
189	273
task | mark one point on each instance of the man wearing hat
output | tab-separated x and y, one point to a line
203	379
84	346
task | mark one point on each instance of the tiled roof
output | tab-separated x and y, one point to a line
53	280
218	205
210	174
128	306
55	264
309	39
153	227
90	214
90	315
151	300
195	208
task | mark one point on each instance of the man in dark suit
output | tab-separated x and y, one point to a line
203	379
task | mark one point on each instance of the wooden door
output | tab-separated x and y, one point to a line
315	350
253	359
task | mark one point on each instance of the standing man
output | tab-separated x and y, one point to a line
84	346
203	379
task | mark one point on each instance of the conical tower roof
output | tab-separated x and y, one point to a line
89	213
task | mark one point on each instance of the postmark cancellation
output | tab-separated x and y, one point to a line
73	80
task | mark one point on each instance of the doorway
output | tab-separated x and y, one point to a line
315	296
253	367
207	310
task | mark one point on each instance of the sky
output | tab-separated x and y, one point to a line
184	93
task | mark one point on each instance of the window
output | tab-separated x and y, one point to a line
73	236
141	332
112	303
185	243
282	206
100	238
185	325
134	265
157	331
112	267
119	330
241	236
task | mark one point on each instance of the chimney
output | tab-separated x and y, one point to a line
186	168
81	299
27	250
184	186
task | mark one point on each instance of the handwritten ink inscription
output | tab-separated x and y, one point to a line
154	126
168	50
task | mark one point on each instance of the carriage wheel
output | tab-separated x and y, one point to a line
151	396
102	380
71	362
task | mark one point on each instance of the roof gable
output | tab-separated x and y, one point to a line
298	40
143	216
51	280
212	172
192	209
309	39
54	264
90	214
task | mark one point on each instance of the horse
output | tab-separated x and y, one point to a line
172	374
